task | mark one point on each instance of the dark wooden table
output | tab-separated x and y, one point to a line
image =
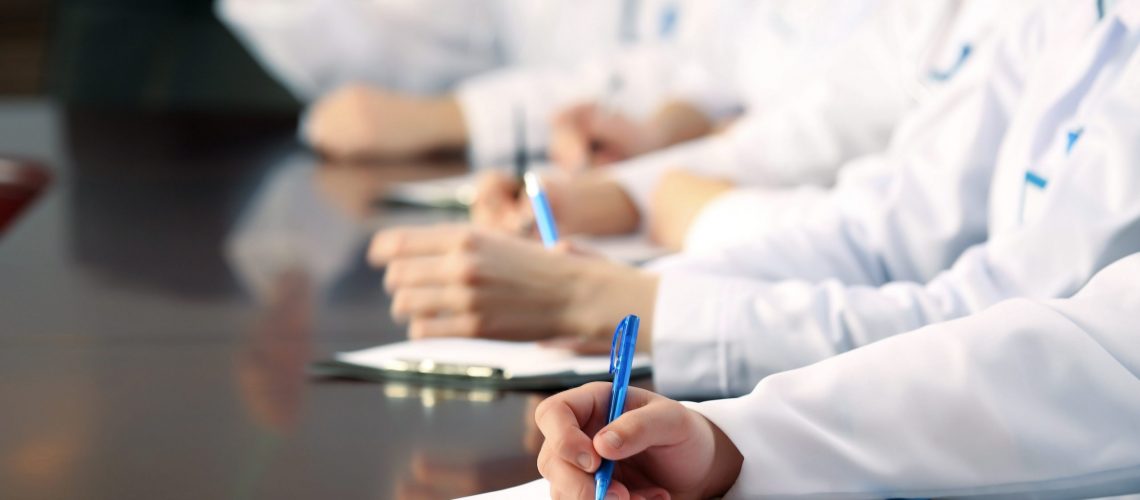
159	303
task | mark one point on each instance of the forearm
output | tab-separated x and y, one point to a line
603	293
676	122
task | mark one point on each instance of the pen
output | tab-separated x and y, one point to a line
621	362
522	159
542	213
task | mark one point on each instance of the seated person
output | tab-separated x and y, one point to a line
795	133
386	67
1026	399
990	197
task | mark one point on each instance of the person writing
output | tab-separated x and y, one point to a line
1028	398
955	228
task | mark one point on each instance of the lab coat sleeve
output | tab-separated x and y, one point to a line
1028	398
803	133
291	39
720	223
489	101
1091	218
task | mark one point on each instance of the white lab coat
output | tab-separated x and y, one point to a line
649	70
427	46
1028	399
914	250
802	132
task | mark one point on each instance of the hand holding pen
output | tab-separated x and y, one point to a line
663	449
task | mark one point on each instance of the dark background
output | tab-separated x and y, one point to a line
130	54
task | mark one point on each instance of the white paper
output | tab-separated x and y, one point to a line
442	192
537	489
516	359
631	249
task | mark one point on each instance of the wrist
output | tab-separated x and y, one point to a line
611	211
726	463
604	292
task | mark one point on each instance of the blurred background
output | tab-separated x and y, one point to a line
137	54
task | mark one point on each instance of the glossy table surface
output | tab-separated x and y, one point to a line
161	299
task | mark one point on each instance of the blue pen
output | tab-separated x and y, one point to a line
621	363
542	214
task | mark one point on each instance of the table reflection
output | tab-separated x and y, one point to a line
444	475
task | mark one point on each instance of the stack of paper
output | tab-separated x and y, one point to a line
530	491
453	361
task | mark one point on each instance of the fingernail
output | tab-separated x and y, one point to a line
611	495
611	438
584	461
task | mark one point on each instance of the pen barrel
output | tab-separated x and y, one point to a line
602	478
544	218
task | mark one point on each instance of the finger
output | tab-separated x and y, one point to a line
662	422
456	269
513	325
498	203
651	493
426	301
569	148
570	137
616	491
573	409
421	241
495	189
568	482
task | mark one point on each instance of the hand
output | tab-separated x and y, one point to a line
588	203
665	450
358	121
586	135
459	281
678	200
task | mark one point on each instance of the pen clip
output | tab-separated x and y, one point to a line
616	343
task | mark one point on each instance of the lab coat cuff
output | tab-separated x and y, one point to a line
487	114
737	420
718	223
691	350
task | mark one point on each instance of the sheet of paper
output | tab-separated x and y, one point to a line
630	249
537	489
516	359
444	192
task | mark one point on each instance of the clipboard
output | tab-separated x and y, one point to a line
473	363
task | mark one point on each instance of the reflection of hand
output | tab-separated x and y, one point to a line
679	198
358	121
582	204
532	437
271	366
587	135
456	281
446	476
664	448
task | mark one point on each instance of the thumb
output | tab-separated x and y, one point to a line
660	423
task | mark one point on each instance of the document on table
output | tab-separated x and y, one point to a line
632	249
537	489
496	363
447	192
